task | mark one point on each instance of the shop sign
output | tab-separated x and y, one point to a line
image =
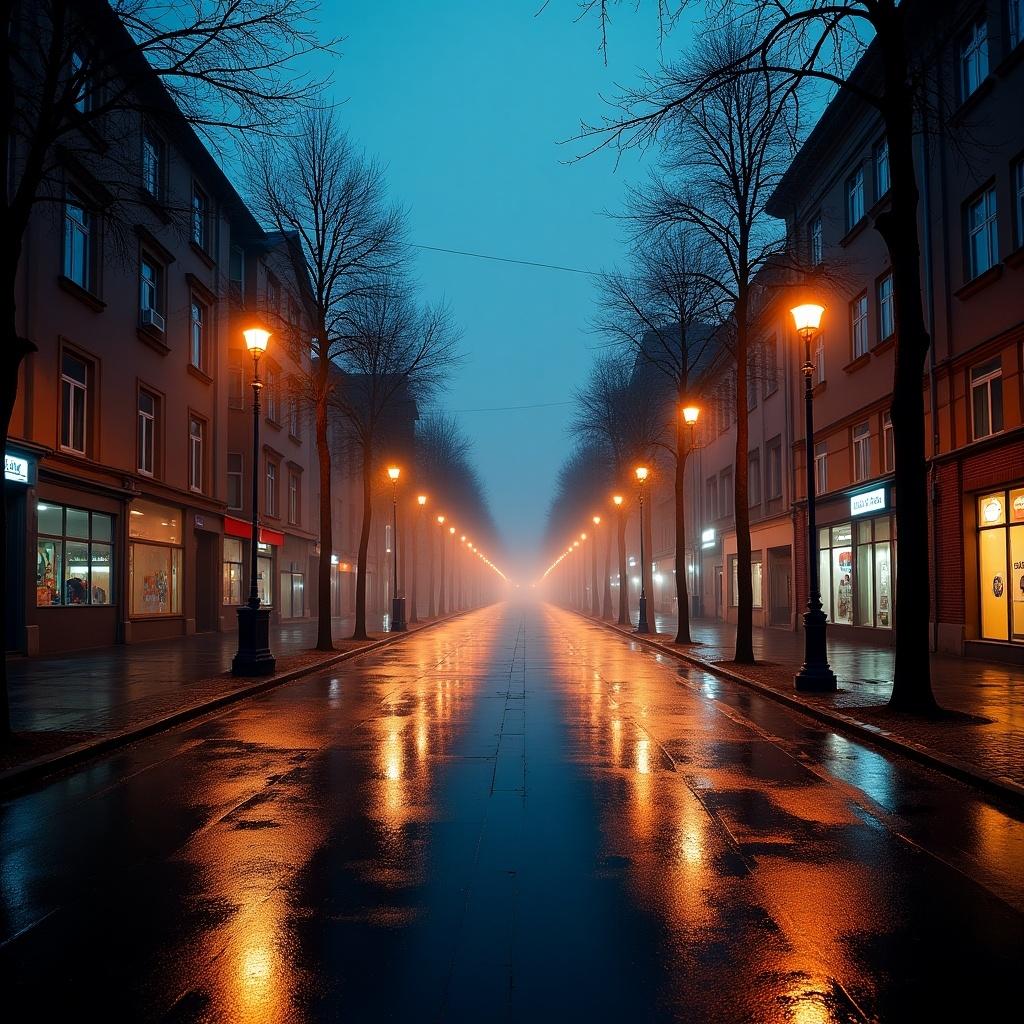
15	468
869	501
1018	509
707	538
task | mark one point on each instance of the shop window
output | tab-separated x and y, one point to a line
265	575
981	230
196	453
859	325
855	568
855	198
74	403
973	57
147	417
292	595
232	571
886	309
882	180
235	480
861	452
821	467
888	443
756	581
74	556
987	399
154	559
79	241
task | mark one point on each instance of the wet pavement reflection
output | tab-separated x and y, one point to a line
515	816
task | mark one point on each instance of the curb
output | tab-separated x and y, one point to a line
955	767
24	775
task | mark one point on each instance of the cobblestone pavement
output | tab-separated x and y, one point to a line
514	816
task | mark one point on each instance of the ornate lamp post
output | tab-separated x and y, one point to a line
421	500
816	674
253	657
397	601
641	625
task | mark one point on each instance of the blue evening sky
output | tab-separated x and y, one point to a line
466	102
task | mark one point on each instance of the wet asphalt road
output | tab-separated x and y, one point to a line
514	816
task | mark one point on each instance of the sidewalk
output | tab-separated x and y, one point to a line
981	736
72	701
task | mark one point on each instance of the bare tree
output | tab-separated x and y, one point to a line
397	352
871	50
77	76
319	188
663	313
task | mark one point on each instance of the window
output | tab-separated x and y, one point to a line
74	556
197	334
195	453
153	151
821	467
236	382
234	480
270	499
232	571
85	96
754	477
982	233
773	469
154	559
855	199
726	493
882	180
855	563
74	404
987	398
200	218
861	452
973	57
293	416
771	367
818	357
888	444
292	606
270	395
886	310
294	497
273	294
1017	186
756	580
859	325
151	293
79	231
814	241
147	415
711	495
1015	21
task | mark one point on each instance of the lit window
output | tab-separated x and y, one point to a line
859	325
982	233
861	452
987	398
886	312
973	58
855	199
74	556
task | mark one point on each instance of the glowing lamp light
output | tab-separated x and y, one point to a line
807	317
422	499
641	473
617	499
583	536
394	472
451	530
256	339
596	520
440	520
691	414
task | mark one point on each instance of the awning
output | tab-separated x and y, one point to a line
240	528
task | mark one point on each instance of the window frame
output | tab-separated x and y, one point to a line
66	417
859	334
1014	23
294	497
820	468
1017	194
888	444
158	163
240	474
271	487
855	189
754	478
973	43
196	454
815	242
773	468
63	539
886	302
880	159
199	217
986	379
989	226
142	418
860	443
198	346
84	229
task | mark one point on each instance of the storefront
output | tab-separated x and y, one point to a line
155	570
20	469
235	566
1000	529
857	561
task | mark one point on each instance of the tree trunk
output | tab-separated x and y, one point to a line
359	633
741	505
324	637
911	689
624	619
606	586
682	588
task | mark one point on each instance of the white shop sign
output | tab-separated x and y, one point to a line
15	469
869	501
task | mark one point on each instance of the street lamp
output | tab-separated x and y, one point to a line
440	596
397	601
691	413
620	532
595	598
641	624
451	579
815	675
253	657
421	500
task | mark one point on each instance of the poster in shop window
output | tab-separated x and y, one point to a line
154	592
844	592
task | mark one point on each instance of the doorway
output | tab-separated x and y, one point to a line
207	578
780	573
